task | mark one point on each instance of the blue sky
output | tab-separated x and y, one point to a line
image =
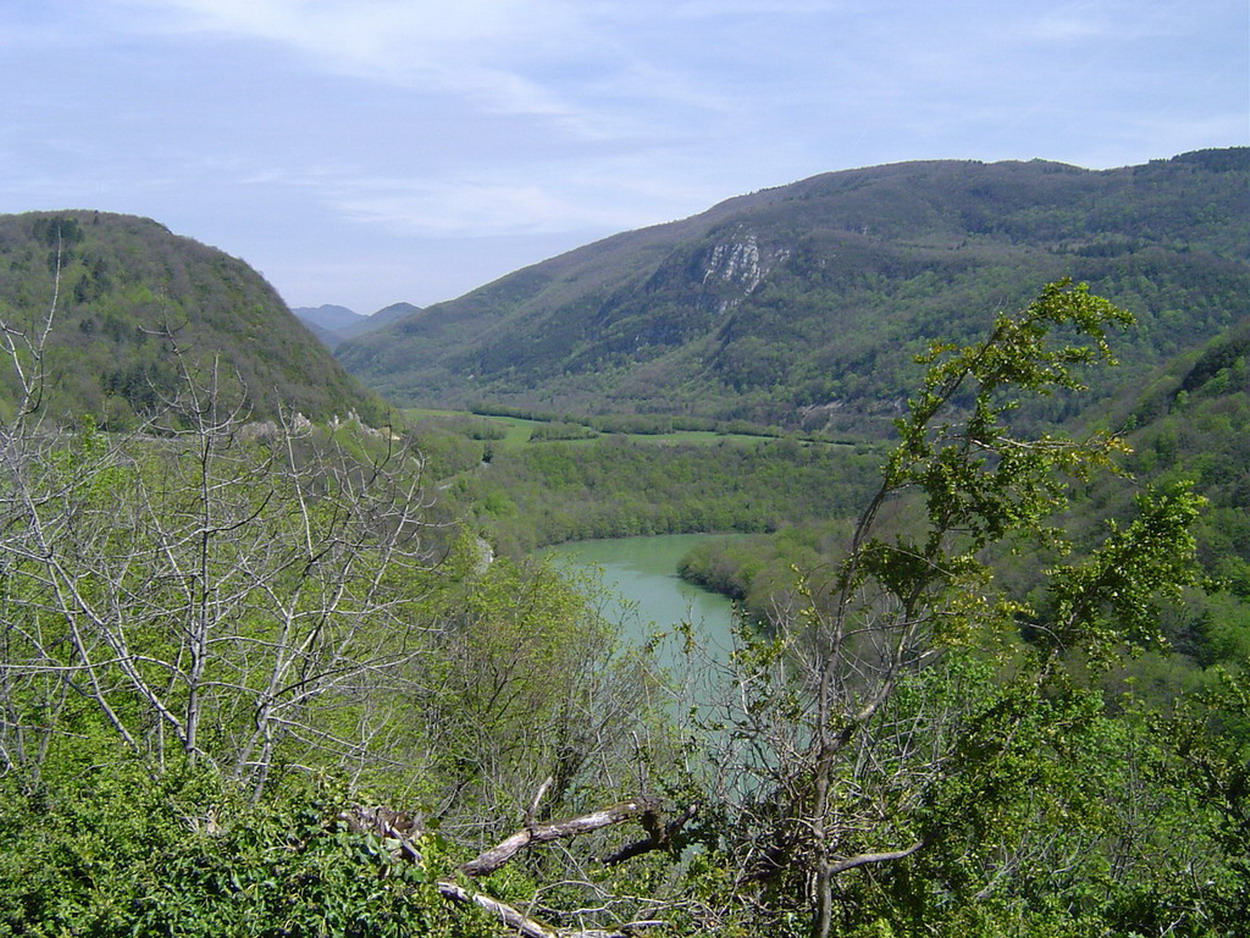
363	152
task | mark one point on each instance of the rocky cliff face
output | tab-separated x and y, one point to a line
733	269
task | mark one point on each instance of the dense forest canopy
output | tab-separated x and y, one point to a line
127	294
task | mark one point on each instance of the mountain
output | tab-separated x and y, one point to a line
325	336
383	317
131	297
805	304
334	324
327	316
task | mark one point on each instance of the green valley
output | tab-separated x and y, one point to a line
278	657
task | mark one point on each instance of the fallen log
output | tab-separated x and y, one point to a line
490	860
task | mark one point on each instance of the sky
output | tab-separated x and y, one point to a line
365	152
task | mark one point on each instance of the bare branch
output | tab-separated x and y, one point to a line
490	860
657	839
864	859
528	927
505	913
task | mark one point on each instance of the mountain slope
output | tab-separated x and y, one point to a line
805	303
376	320
327	316
128	294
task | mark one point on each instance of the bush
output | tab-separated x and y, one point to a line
121	852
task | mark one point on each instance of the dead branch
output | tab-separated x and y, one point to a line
864	859
398	826
506	914
657	838
490	860
538	797
526	926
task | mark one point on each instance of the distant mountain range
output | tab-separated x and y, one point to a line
805	304
334	324
327	316
131	297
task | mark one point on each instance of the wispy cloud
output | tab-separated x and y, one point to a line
505	201
345	123
475	47
462	206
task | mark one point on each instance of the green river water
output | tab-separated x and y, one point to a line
642	572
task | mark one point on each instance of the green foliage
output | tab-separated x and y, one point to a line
878	736
118	851
758	571
544	432
528	683
1049	816
1125	575
127	293
613	487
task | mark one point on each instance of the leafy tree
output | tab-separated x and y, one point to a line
826	776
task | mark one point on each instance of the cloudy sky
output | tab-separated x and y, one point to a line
362	152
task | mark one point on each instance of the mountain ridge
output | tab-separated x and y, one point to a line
780	305
334	324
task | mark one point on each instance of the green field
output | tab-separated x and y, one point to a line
520	432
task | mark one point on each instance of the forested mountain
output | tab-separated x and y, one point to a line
384	316
803	304
136	304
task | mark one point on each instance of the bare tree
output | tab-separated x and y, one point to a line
240	594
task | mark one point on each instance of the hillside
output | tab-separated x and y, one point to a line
130	293
384	316
804	304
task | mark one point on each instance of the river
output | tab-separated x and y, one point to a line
642	573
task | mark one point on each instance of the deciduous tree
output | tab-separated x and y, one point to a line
826	772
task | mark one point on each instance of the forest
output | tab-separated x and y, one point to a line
302	677
128	295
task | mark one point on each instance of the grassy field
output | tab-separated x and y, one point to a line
519	431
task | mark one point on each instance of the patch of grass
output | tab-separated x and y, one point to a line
520	431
